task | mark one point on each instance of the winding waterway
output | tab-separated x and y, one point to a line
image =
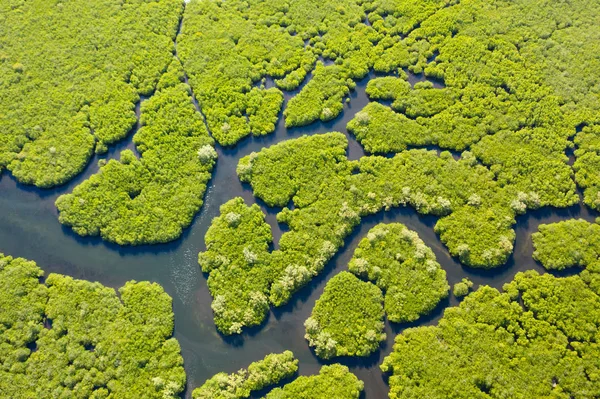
29	228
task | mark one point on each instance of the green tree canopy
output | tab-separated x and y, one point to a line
569	243
74	338
537	339
71	75
400	263
151	199
347	319
270	371
334	381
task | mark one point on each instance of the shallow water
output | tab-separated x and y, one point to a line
29	228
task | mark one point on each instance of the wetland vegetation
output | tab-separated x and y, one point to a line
507	89
399	262
269	371
536	339
74	338
347	319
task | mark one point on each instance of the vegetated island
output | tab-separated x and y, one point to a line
570	243
273	369
151	199
347	320
334	381
404	267
537	339
462	288
74	338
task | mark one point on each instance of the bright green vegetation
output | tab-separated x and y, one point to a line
476	213
71	75
588	163
570	243
330	194
151	199
381	130
334	381
519	76
347	319
237	260
400	263
72	338
229	47
269	371
538	339
462	288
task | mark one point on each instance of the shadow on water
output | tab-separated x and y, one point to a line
29	228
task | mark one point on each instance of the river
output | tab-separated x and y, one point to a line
29	228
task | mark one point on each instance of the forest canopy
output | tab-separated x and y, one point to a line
259	375
510	84
539	338
334	381
330	195
399	262
347	319
70	75
570	243
149	199
74	338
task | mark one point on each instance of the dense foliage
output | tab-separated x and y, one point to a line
227	48
269	371
538	339
70	75
334	381
150	199
76	339
330	194
588	163
230	47
462	288
381	130
347	319
569	243
520	78
476	213
237	260
400	263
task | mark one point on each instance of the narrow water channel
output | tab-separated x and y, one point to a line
29	228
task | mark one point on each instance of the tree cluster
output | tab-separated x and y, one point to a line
334	381
476	213
519	81
71	73
230	47
77	339
462	288
273	369
570	243
330	194
587	164
347	319
538	339
399	262
151	199
239	267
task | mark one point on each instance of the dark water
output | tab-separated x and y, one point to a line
29	228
